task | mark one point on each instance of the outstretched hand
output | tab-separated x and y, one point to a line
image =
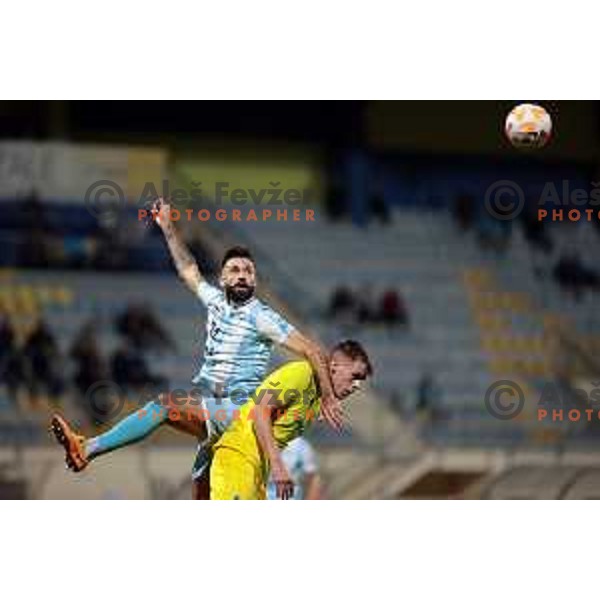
161	212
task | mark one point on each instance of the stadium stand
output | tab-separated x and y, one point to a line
476	317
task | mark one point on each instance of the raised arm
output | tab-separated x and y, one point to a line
264	433
330	405
186	266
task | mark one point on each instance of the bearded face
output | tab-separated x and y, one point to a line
238	279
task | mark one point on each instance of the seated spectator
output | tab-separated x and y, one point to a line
494	234
335	202
464	211
429	407
155	334
77	251
43	359
393	309
11	363
379	208
142	328
33	248
91	368
36	233
130	370
572	274
534	230
342	304
90	364
366	310
427	394
7	338
32	213
110	251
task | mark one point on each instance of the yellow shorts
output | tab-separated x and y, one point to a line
234	477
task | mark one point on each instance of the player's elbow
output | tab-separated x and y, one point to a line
190	276
167	401
187	271
313	351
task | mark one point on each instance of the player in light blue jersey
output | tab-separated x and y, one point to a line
301	463
241	332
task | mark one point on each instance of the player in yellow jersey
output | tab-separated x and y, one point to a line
282	407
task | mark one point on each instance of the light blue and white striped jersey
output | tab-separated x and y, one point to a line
239	341
300	460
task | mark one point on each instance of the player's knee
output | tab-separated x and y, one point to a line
169	401
201	488
174	400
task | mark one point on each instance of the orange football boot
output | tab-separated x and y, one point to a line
73	443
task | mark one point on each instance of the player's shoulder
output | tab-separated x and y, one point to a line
270	323
260	308
210	294
297	369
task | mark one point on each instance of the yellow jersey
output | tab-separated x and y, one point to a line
298	403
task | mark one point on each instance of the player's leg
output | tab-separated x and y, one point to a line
216	414
201	486
186	414
133	428
234	477
201	470
191	427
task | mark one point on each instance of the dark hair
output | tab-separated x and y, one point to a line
352	349
237	252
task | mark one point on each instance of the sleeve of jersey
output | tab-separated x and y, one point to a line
273	326
207	293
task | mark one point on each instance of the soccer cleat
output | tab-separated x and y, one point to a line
71	442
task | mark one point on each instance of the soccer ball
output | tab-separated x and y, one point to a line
528	126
